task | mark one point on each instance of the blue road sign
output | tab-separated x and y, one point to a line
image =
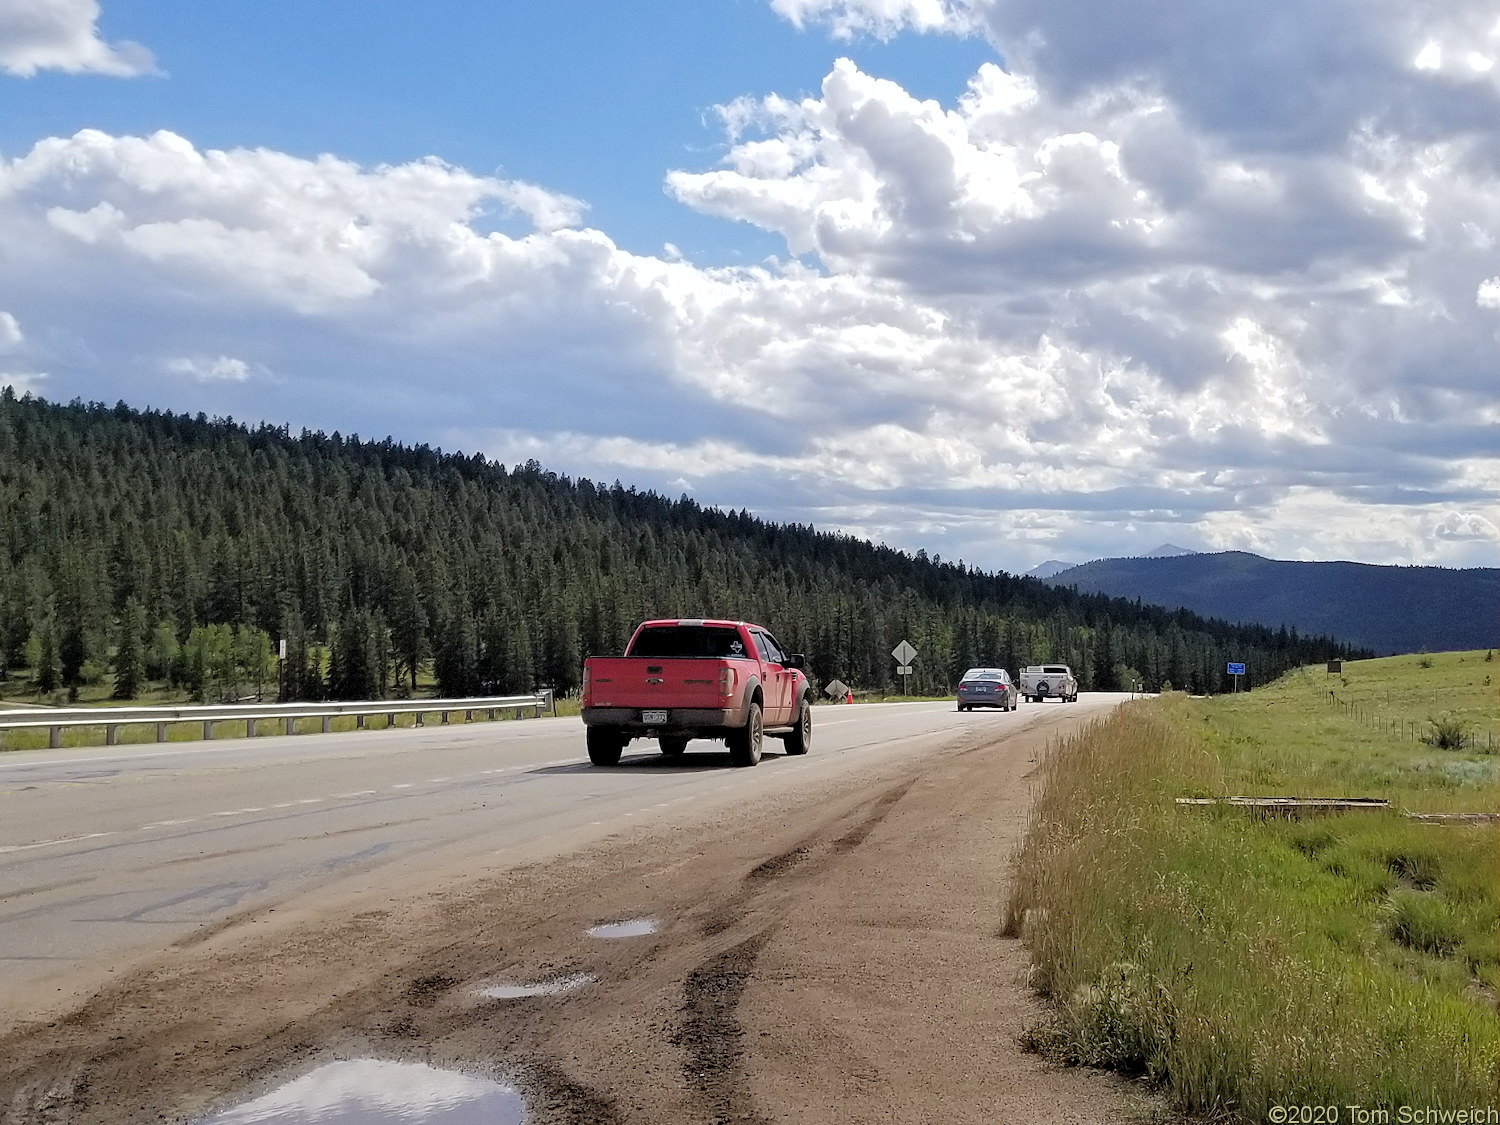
1236	669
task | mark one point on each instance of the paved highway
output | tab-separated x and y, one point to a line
113	853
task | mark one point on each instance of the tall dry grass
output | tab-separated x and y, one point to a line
1243	964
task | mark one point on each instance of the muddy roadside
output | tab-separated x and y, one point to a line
832	956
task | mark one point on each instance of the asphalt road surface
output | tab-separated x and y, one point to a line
184	927
111	853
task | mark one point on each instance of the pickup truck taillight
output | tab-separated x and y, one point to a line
588	687
726	682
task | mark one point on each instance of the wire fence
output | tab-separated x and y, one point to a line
1406	729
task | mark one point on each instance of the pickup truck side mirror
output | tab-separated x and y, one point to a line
796	660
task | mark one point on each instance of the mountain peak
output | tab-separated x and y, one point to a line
1168	550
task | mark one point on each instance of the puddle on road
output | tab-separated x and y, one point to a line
634	927
554	987
377	1092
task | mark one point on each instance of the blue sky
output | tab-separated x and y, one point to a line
593	99
1007	280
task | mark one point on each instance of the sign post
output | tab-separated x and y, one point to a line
1236	670
904	655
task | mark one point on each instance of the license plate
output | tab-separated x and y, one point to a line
653	716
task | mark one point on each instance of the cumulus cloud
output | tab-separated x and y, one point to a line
63	35
1056	317
10	332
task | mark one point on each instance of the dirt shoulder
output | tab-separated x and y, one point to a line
829	957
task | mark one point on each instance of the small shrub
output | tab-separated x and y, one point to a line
1419	868
1448	733
1121	1022
1422	922
1425	662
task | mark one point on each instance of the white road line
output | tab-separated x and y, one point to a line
348	796
403	785
311	801
52	843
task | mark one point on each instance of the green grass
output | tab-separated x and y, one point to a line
1243	963
1289	738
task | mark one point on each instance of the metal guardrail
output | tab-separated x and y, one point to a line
55	720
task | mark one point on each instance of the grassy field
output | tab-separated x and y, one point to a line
1244	963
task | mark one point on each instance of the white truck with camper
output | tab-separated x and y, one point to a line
1045	681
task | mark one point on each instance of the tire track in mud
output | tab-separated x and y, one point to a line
712	1038
711	1035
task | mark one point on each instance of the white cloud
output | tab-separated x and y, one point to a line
23	382
63	35
1039	321
208	370
880	18
10	332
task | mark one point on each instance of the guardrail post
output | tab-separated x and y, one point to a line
419	719
359	722
468	716
161	732
112	734
291	725
445	718
327	723
54	738
390	720
492	714
208	729
249	728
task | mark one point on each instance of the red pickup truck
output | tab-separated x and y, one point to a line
681	680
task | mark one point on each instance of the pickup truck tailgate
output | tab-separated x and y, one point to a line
650	682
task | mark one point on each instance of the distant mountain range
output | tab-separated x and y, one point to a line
1390	609
1057	566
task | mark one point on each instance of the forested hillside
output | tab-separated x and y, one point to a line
139	547
1388	609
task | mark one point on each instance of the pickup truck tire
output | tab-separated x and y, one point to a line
672	746
744	744
605	746
800	740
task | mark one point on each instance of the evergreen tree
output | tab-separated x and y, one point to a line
130	651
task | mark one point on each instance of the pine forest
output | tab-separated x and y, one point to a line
146	551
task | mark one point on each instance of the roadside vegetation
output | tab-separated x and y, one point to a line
1243	962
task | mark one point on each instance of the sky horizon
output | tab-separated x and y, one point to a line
1003	280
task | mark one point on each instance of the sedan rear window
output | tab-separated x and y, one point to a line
988	674
672	641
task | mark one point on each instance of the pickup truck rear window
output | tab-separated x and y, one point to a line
670	641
